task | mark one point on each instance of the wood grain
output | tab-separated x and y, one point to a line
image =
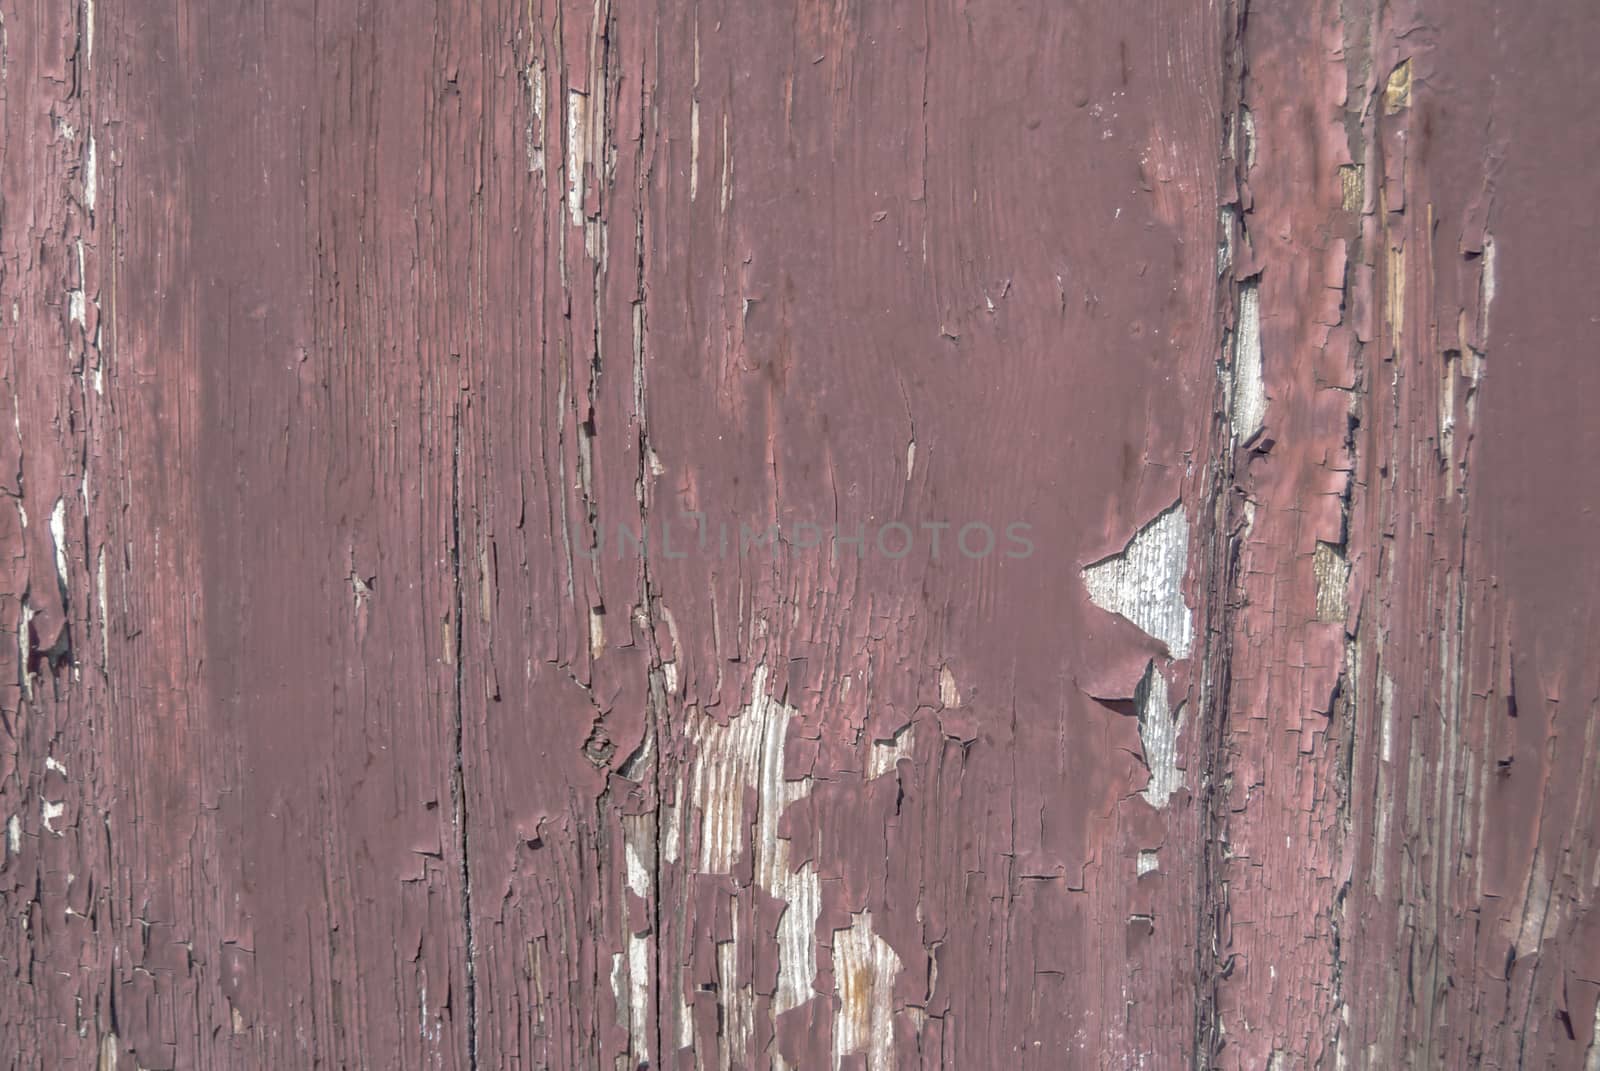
857	536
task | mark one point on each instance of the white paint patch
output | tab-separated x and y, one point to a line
694	119
1332	571
1487	283
797	937
1158	732
619	984
58	534
1249	391
1386	752
100	594
748	753
50	764
670	831
14	834
1447	419
638	841
864	971
685	1016
949	693
577	152
1148	863
1225	242
745	753
886	754
727	162
694	149
24	648
90	176
49	811
1591	1061
638	876
1145	582
639	980
535	135
1535	909
1386	713
77	304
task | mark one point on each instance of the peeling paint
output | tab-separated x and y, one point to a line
1397	90
534	77
864	969
1145	582
1249	390
748	753
1370	821
58	536
886	754
576	153
49	811
91	178
1159	727
1333	581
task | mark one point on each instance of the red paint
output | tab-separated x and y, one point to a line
358	755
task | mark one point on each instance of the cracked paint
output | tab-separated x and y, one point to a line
1145	582
331	743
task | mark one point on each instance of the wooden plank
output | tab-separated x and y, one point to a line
834	536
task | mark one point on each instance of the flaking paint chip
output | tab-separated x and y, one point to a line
1145	582
1159	726
1397	91
949	694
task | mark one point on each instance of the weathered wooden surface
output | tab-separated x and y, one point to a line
348	350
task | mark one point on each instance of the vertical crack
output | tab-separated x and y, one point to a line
458	773
658	697
1222	548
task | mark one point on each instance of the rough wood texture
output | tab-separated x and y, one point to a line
709	534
